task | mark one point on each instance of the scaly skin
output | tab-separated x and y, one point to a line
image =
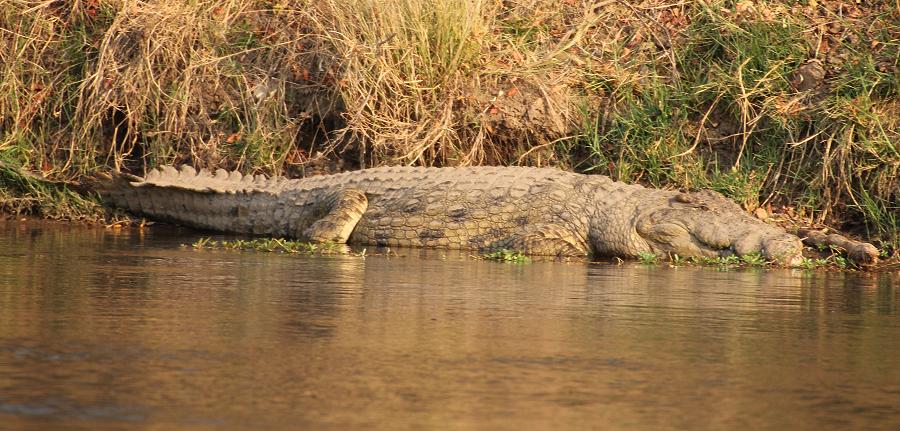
535	210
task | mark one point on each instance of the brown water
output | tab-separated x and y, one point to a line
100	330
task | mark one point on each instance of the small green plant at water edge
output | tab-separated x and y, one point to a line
753	259
504	255
718	261
750	259
204	243
269	245
809	263
840	261
648	258
834	260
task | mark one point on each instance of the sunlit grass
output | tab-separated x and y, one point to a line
20	193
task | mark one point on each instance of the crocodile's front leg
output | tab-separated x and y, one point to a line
341	219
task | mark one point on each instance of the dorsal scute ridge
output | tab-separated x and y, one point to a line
186	177
187	171
168	171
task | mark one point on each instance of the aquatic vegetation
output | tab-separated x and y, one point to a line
508	256
747	260
648	258
720	261
840	261
278	245
835	260
812	263
754	259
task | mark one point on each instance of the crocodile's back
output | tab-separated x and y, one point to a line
468	208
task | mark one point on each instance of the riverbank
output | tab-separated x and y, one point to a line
790	109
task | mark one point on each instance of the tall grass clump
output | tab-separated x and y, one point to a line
404	68
262	86
457	82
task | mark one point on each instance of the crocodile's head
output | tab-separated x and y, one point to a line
707	224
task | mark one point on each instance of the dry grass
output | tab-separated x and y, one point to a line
252	85
404	68
431	82
133	84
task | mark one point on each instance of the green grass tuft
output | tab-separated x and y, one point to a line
648	258
23	194
272	245
508	256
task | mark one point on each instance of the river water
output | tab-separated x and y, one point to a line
104	329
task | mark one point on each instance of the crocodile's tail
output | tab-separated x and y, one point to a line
224	201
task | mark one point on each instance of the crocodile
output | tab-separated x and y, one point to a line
538	211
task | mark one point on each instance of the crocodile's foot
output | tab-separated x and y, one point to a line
861	253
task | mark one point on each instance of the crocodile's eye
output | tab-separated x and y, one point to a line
685	198
691	201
